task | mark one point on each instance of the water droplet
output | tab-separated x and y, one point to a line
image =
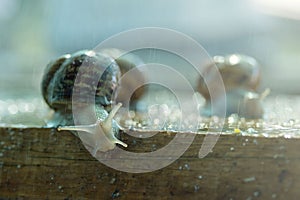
255	141
249	198
153	147
113	180
196	188
115	194
233	119
156	122
13	109
249	179
251	131
256	193
291	122
186	166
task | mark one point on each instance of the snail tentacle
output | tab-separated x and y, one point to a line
85	128
264	94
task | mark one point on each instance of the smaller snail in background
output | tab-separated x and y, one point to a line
98	80
241	77
128	61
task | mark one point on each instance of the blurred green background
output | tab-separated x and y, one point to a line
33	32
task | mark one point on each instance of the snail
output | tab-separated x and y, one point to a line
241	77
128	61
58	83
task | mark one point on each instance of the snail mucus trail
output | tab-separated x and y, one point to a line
57	89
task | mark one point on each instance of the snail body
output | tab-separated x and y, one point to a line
101	134
241	77
93	92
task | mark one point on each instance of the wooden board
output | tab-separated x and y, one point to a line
45	164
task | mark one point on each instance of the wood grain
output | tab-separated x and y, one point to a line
45	164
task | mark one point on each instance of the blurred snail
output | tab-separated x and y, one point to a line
241	77
93	94
128	61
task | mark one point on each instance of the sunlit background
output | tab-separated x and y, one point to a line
33	32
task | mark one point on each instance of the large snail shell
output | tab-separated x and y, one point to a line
93	78
59	78
237	71
49	73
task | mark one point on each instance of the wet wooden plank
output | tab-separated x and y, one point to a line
45	164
